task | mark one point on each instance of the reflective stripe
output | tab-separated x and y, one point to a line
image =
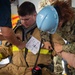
43	51
1	55
14	48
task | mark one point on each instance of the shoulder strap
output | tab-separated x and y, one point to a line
52	45
38	55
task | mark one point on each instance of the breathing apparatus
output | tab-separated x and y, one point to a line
47	19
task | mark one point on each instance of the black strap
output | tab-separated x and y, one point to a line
38	54
51	41
52	44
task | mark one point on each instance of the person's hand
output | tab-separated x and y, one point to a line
57	47
22	45
47	45
19	36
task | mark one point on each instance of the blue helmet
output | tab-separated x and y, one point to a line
47	19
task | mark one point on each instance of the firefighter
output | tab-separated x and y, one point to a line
24	62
